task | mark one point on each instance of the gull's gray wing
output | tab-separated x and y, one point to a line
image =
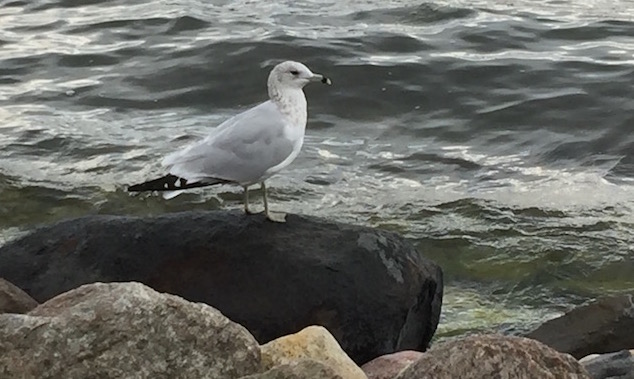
240	149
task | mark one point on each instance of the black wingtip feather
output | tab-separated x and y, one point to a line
171	182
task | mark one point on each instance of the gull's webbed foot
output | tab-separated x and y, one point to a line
250	212
276	217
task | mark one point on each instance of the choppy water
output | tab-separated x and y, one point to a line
499	136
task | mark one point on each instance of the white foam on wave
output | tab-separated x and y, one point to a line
516	182
360	190
471	309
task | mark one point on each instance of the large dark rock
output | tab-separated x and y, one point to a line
604	326
371	289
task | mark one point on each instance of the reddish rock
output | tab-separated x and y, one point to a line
390	365
13	299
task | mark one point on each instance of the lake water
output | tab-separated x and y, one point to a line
498	136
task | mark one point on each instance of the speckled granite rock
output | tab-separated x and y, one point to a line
123	330
494	356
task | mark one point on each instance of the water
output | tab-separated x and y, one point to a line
498	136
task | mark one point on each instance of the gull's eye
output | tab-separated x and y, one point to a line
295	72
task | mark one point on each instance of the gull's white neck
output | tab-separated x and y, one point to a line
291	102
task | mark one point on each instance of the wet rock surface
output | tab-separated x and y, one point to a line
371	289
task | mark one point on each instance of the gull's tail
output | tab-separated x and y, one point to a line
171	182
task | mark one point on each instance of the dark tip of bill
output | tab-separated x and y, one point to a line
326	80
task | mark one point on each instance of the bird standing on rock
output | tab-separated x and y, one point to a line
248	148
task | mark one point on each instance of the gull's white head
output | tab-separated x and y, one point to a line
291	74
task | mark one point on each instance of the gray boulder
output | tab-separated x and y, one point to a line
494	356
605	326
619	365
124	330
370	288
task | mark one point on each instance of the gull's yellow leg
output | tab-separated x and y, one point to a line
246	200
280	217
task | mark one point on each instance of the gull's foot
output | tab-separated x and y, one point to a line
250	212
276	217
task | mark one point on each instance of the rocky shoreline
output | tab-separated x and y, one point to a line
222	295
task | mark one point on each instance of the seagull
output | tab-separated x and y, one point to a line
248	148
